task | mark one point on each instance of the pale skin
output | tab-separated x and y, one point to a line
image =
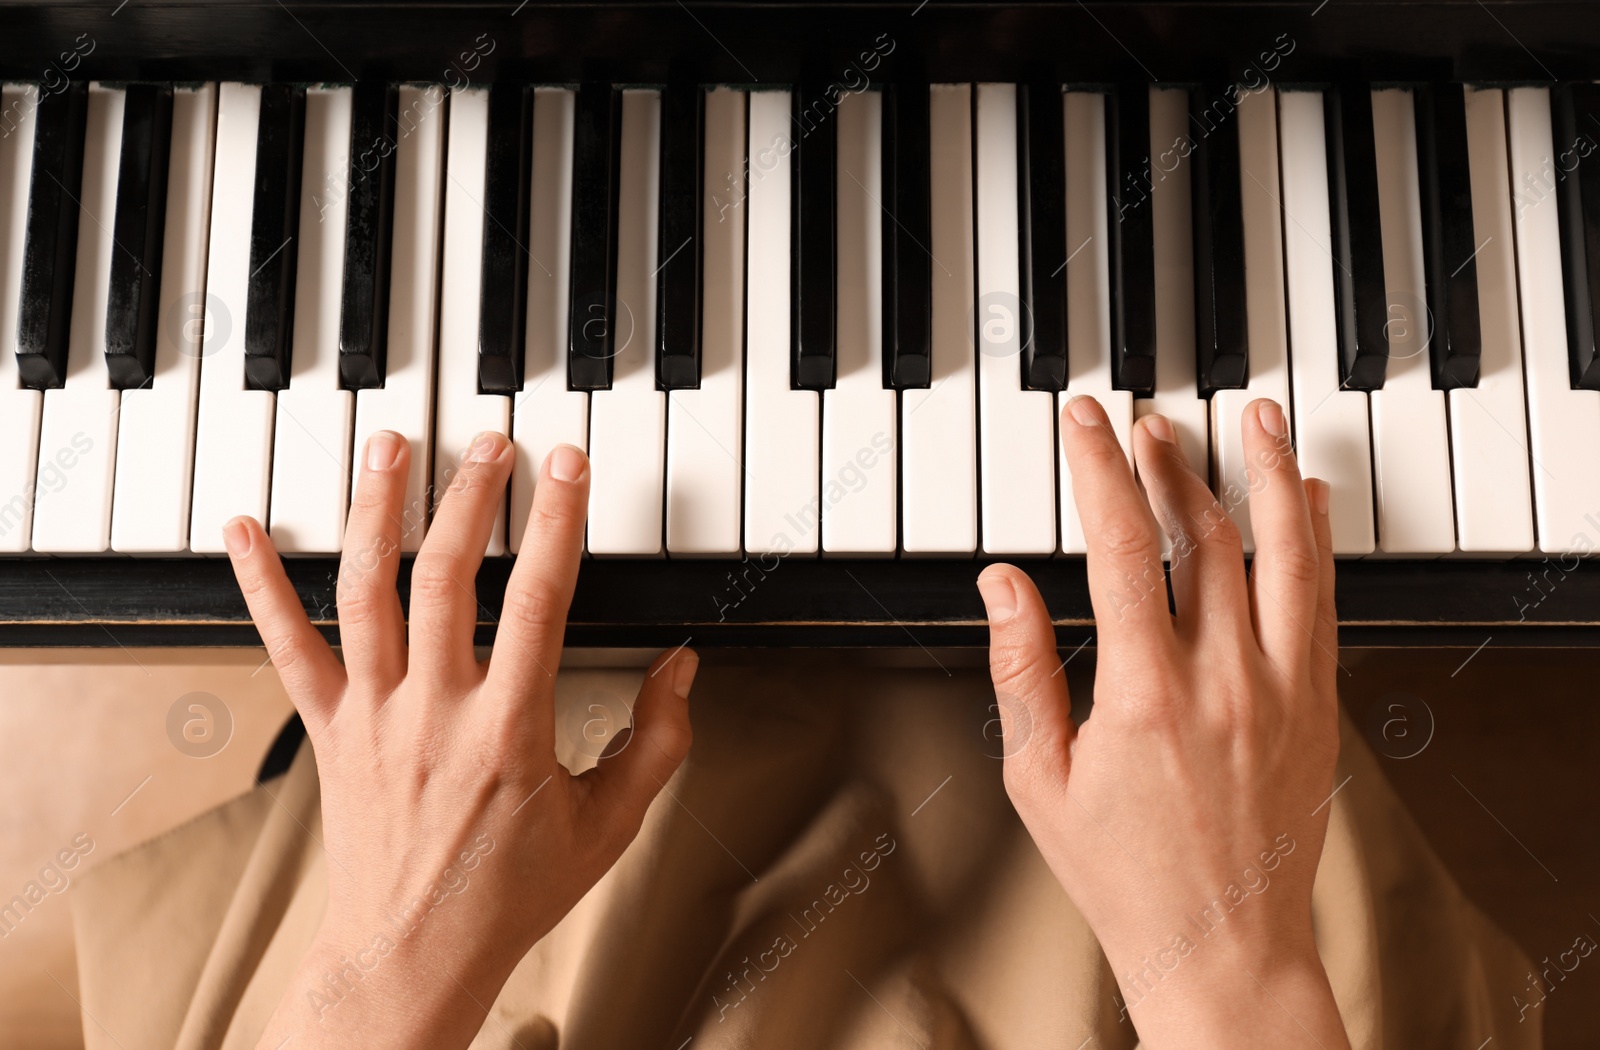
1214	732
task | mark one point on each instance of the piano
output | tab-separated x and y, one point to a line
809	281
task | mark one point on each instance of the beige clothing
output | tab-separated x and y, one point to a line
834	867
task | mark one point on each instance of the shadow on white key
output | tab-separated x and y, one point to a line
155	444
404	404
311	451
1233	476
1331	435
78	429
1410	436
628	423
233	437
1563	423
938	426
19	407
860	493
546	414
704	461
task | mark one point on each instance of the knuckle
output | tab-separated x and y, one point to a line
1123	536
431	579
534	606
1297	564
1013	665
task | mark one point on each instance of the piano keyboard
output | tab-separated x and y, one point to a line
793	322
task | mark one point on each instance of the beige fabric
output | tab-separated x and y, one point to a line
858	824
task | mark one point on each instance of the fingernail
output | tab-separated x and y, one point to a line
1087	411
567	463
383	448
999	596
684	666
236	537
1271	418
485	448
1319	496
1160	428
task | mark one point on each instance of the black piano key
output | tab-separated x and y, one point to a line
1132	252
1575	109
50	246
1449	242
907	234
678	273
1221	321
274	238
138	232
1041	194
812	197
597	151
1361	302
503	282
369	225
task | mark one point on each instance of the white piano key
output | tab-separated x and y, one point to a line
311	447
1563	423
19	407
546	414
155	443
781	434
1233	477
1331	425
1410	435
1177	391
703	426
628	423
1016	427
404	404
78	428
1488	423
859	489
462	412
938	431
233	438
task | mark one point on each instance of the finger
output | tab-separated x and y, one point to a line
1030	685
444	599
1207	558
624	784
1325	635
310	672
1127	582
372	629
527	645
1285	571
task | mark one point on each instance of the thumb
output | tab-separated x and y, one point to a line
1030	688
629	777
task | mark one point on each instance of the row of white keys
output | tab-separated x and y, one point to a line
781	433
311	445
860	493
1016	427
19	407
462	412
1177	392
1233	476
704	446
546	414
938	432
155	444
404	404
1410	436
1488	423
1563	423
628	422
1331	424
78	428
1089	292
233	437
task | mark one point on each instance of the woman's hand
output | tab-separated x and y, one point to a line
1186	817
454	839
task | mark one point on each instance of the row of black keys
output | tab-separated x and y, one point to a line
1363	309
